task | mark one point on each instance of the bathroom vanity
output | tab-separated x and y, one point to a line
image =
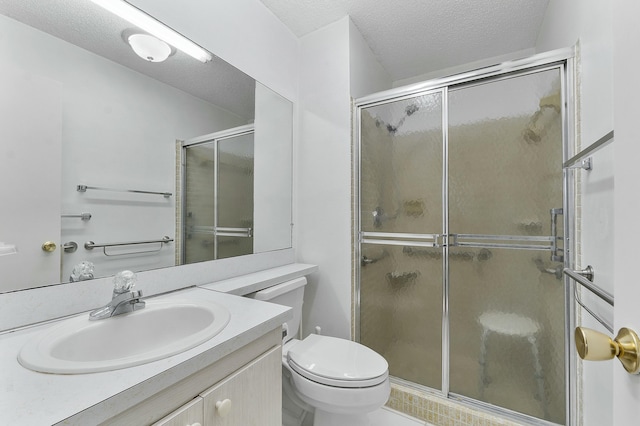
232	379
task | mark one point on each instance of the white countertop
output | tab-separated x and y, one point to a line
249	283
31	398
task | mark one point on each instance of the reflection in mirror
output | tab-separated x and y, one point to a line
218	195
81	108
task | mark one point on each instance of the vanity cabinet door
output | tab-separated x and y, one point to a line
190	414
252	396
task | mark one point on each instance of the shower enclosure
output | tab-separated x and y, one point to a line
461	241
217	195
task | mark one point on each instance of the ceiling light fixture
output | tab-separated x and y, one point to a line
149	48
154	27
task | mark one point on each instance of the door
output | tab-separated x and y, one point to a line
401	216
30	120
506	292
234	196
461	240
626	61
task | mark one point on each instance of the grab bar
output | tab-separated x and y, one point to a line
581	279
584	278
90	245
83	216
234	232
581	157
222	231
83	188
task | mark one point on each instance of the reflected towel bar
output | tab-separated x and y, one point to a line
83	216
90	245
221	231
83	188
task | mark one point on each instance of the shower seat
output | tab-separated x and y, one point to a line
513	325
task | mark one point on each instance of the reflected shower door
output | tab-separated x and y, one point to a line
235	196
401	273
198	199
218	197
506	296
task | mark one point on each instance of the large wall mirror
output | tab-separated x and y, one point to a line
111	161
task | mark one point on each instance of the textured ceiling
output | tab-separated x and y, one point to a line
413	37
92	28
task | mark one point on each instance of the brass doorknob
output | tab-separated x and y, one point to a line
49	246
595	346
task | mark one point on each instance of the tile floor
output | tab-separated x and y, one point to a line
388	417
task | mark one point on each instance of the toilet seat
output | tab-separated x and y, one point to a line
337	362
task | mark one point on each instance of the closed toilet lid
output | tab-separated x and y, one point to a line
337	362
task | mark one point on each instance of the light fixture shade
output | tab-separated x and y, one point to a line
149	48
154	27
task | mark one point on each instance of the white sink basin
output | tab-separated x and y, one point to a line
163	328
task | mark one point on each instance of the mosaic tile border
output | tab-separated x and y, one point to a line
439	411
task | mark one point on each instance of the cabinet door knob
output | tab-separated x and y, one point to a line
223	407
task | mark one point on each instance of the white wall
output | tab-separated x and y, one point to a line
367	75
335	65
590	22
323	178
242	32
273	171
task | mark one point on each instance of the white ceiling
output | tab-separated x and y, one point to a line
414	37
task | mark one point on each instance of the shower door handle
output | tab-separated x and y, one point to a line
555	257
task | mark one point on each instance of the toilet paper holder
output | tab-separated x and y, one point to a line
595	346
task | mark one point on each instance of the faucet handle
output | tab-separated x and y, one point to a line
124	282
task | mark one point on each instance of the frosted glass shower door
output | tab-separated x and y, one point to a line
218	197
506	295
401	217
198	198
235	196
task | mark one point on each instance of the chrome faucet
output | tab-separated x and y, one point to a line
124	298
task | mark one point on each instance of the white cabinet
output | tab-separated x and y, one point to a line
247	383
251	396
190	414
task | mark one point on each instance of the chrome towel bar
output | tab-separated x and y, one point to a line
581	279
584	278
83	216
90	245
83	188
580	160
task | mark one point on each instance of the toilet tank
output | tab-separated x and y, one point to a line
289	293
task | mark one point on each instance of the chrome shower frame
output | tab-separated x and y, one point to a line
562	59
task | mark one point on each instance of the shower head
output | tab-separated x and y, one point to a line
534	131
410	109
551	101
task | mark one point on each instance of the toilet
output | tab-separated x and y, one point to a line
333	381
